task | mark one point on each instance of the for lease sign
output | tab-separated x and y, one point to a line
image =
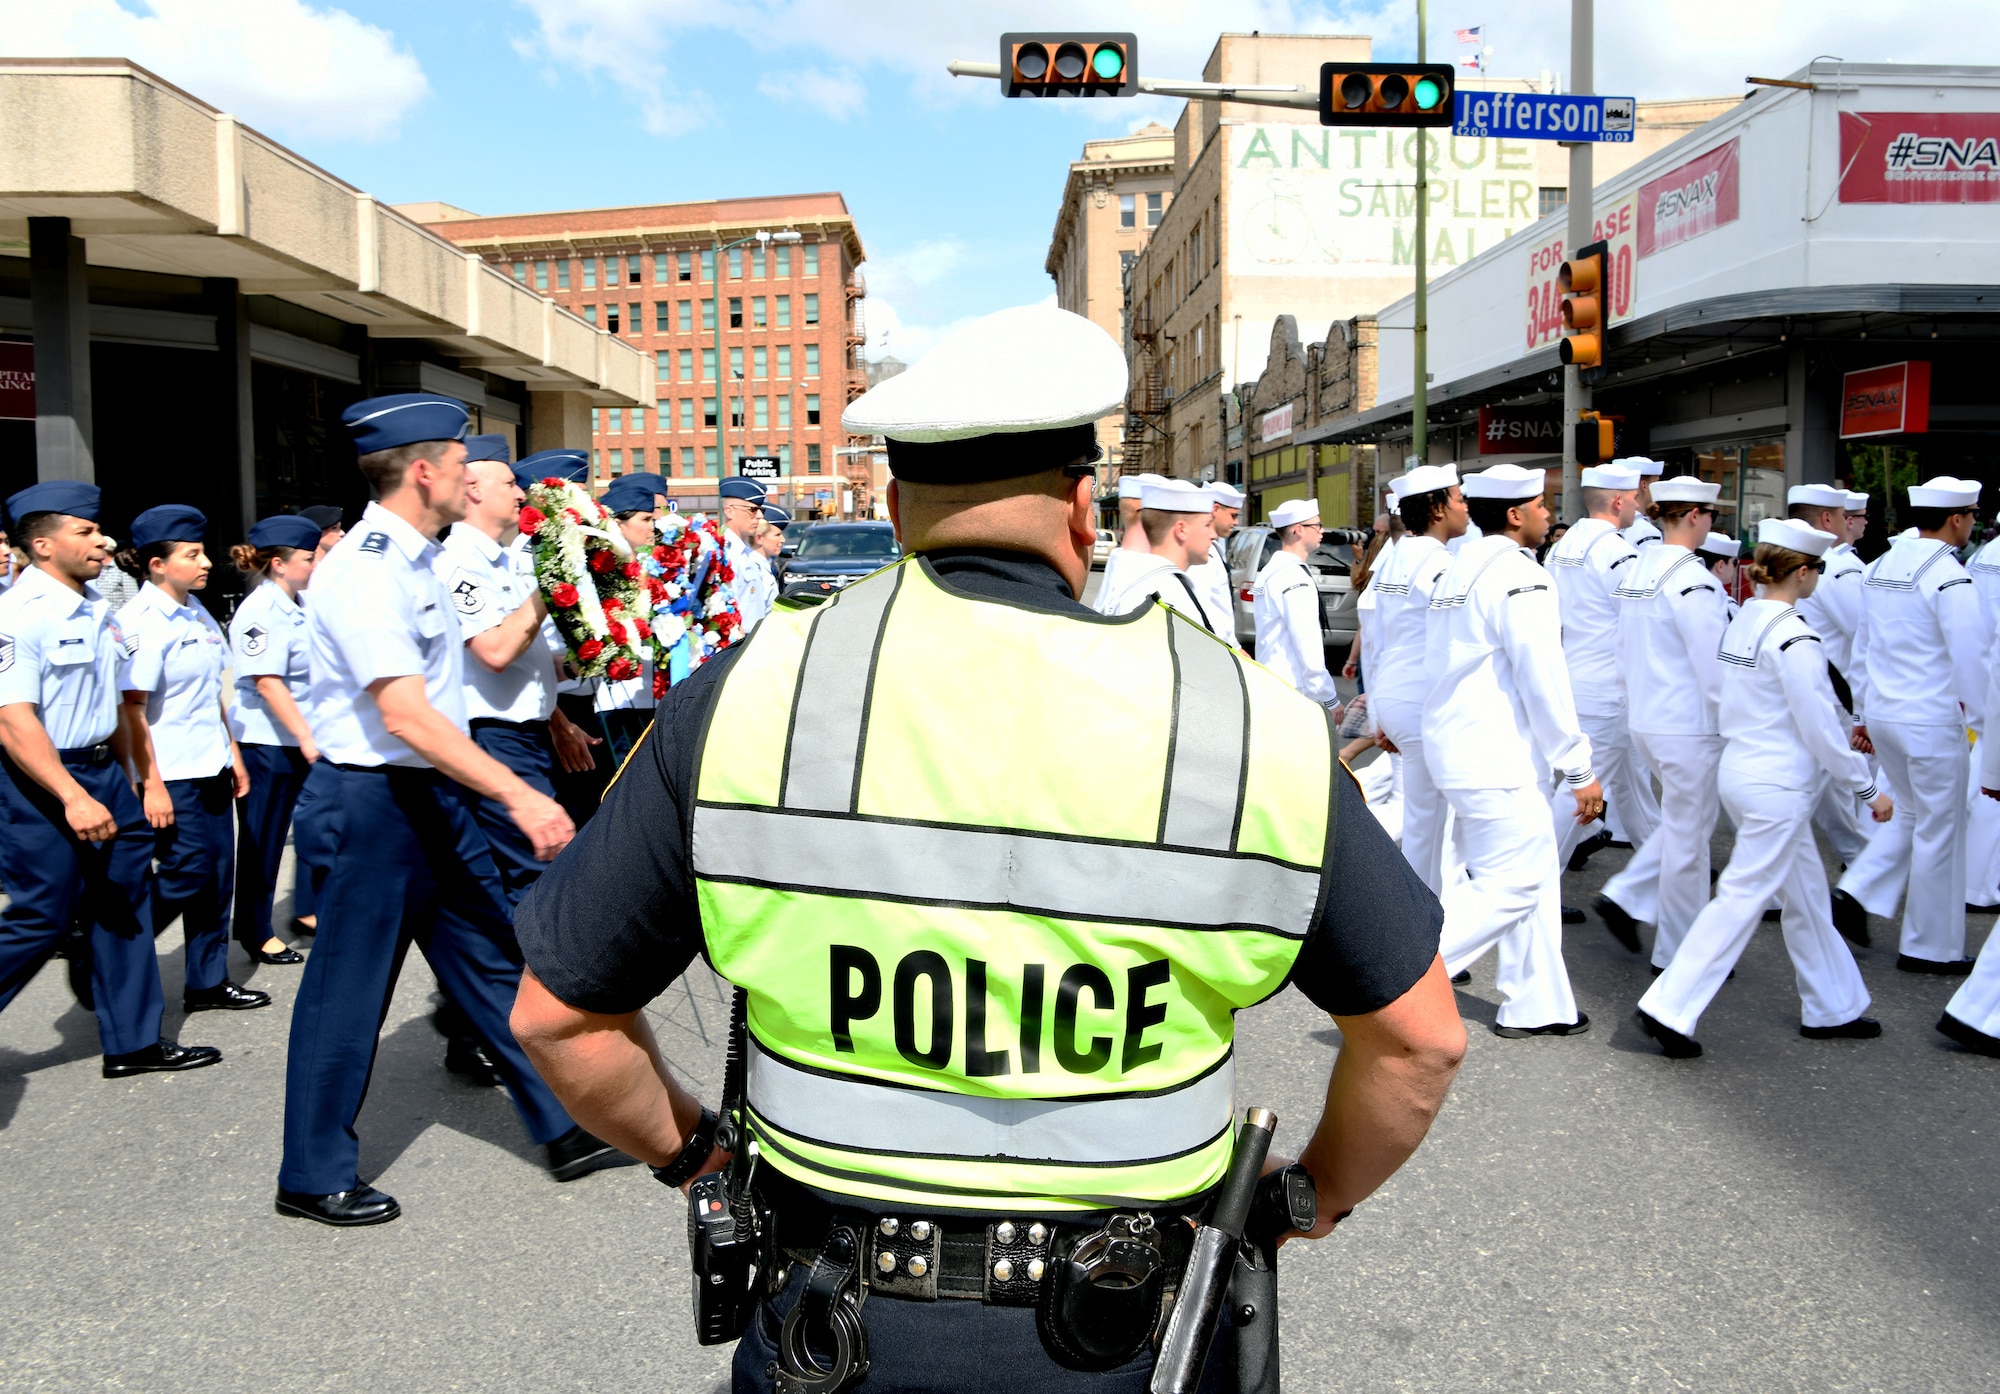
1617	225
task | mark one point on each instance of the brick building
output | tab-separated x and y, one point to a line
757	345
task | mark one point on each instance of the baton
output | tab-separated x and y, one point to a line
1205	1286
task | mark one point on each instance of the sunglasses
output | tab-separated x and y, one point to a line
1818	568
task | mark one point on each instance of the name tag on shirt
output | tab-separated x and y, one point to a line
69	652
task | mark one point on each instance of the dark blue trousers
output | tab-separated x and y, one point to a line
524	748
315	830
263	817
410	866
197	874
54	879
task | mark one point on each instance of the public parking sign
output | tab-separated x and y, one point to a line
757	466
1544	116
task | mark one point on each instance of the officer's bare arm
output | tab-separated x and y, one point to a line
409	716
143	760
1388	1083
508	640
27	744
608	1072
278	698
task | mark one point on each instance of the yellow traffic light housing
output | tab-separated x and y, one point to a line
1596	438
1385	94
1581	281
1069	64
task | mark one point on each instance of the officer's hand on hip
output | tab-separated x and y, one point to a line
1590	802
89	819
1325	1221
542	819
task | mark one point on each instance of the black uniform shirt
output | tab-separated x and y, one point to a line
614	920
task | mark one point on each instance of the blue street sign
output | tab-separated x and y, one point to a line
1543	116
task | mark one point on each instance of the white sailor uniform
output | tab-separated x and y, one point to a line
1399	678
1290	641
1640	532
1783	735
1497	719
1149	575
1834	612
1982	821
1211	583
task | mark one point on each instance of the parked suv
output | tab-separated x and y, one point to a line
833	555
1332	564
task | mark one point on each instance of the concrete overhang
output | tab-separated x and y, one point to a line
156	180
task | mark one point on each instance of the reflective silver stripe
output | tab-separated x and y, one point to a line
825	746
855	1115
1133	882
1209	720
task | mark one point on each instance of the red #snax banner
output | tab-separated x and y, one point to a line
1683	203
1920	157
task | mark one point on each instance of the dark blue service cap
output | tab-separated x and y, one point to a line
286	530
326	515
628	495
571	465
170	522
404	418
775	514
71	496
488	448
651	481
748	490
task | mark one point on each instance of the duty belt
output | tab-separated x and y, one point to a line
99	754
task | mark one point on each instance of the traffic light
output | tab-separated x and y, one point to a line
1581	282
1069	65
1385	94
1596	438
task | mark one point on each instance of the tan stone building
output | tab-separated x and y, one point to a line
1113	199
1274	215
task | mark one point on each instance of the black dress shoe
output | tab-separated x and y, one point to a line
279	959
1972	909
159	1058
1553	1028
576	1153
1941	968
1673	1043
470	1062
1773	915
1862	1028
225	996
1581	855
300	927
1971	1037
78	967
1572	915
1463	975
1623	927
1849	918
1656	970
364	1205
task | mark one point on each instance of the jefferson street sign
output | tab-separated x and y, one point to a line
1544	116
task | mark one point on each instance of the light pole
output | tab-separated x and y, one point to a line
765	237
1420	427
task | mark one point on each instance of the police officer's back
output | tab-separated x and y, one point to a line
989	996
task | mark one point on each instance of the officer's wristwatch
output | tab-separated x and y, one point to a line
694	1153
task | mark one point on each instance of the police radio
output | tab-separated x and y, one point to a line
726	1230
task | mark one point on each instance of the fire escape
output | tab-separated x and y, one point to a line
858	469
1146	400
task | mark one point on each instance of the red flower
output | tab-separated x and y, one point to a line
660	555
563	595
622	670
551	482
724	572
532	520
656	588
645	630
632	571
612	604
600	560
659	686
573	516
589	649
617	633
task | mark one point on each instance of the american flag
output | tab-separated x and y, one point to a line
1469	36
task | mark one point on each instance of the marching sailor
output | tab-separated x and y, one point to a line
1211	575
1673	616
1972	1017
1178	518
1833	609
1921	650
1720	553
1641	530
1783	734
1132	544
1290	641
1434	513
1497	720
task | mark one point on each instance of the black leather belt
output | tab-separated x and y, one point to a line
526	728
99	754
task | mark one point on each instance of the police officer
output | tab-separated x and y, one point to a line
1290	641
77	840
388	691
189	770
871	875
267	637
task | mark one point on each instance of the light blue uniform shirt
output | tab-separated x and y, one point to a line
379	611
488	582
64	652
267	639
177	658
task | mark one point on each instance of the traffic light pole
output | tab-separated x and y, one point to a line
1420	430
1576	396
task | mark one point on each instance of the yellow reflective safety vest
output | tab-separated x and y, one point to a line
995	881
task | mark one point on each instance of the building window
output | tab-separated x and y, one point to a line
687	316
812	309
541	275
736	363
736	413
662	316
812	360
735	312
784	459
611	271
684	261
661	263
1548	200
708	412
635	318
784	312
615	416
784	360
761	413
611	318
562	275
708	314
812	409
757	263
784	262
712	461
759	366
757	320
708	263
1128	211
1153	202
596	416
1194	253
785	412
687	365
812	258
687	459
735	263
687	413
1125	260
663	368
638	421
590	273
617	463
708	365
590	314
632	270
521	272
812	459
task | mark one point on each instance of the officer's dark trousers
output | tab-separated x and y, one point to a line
315	829
55	879
197	857
263	817
579	794
410	864
525	748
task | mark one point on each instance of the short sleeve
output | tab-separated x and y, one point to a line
20	662
370	623
146	641
257	648
1378	932
478	607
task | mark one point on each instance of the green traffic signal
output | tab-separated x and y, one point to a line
1109	62
1427	93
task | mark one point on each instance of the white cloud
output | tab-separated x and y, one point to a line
912	295
836	96
282	65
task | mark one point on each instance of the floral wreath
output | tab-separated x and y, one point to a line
687	578
589	577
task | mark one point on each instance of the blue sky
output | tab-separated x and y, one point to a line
504	106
